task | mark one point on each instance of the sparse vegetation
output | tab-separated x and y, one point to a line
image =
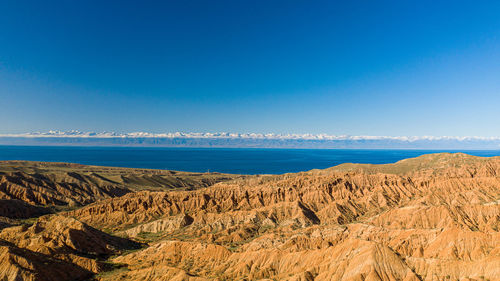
268	227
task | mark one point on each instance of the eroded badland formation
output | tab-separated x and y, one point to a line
435	217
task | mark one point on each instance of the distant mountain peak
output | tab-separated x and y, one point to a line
256	140
139	134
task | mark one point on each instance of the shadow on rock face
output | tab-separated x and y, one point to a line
22	264
17	209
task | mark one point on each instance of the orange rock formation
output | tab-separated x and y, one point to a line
435	217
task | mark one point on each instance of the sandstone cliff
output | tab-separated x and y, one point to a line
61	242
435	217
62	184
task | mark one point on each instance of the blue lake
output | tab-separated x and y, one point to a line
224	160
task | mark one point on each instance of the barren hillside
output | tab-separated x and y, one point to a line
435	217
72	185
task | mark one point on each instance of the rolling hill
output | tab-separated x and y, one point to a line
434	217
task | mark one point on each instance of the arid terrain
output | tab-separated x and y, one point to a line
435	217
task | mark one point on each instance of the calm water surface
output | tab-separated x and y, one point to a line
224	160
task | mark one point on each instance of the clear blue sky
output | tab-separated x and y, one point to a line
335	67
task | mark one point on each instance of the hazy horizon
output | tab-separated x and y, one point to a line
248	140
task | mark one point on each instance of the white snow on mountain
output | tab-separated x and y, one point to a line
248	140
271	136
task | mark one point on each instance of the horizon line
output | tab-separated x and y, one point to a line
225	135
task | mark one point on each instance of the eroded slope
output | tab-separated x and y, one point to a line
57	248
434	217
63	184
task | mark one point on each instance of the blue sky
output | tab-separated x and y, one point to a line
335	67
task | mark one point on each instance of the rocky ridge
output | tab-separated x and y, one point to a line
435	217
40	183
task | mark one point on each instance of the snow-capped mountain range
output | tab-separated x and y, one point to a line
180	139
